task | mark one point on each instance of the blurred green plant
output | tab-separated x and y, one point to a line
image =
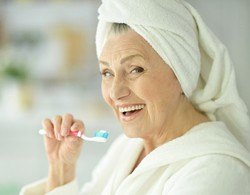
14	79
13	70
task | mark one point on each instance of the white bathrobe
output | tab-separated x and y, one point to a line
207	160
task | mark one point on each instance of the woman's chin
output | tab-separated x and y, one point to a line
131	133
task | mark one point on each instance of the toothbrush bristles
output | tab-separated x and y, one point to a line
102	134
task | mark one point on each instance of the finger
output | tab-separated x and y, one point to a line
57	126
48	127
67	121
78	125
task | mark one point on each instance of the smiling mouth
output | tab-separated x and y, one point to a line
131	112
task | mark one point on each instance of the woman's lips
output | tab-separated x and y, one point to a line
130	115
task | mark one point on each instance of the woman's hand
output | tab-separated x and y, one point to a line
62	150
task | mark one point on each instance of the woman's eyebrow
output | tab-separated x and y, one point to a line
104	63
123	60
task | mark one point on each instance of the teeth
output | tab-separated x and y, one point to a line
131	108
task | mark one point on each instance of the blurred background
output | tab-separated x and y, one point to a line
48	66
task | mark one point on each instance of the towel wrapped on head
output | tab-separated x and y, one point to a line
199	60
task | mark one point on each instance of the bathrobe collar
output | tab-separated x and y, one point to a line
206	138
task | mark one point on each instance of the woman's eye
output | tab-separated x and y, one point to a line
106	73
137	70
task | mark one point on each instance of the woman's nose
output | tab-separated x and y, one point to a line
119	89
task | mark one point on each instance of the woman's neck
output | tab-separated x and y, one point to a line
185	118
180	124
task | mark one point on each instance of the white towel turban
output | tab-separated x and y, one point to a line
199	60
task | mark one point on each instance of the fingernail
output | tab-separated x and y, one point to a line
64	133
75	127
58	136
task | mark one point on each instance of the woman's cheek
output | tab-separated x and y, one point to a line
146	89
105	93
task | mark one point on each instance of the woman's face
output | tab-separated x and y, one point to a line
138	85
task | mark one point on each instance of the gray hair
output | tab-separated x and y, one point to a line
118	28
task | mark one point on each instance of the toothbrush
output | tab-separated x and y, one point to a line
100	136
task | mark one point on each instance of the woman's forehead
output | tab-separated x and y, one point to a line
129	43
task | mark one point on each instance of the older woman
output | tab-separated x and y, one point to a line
171	85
